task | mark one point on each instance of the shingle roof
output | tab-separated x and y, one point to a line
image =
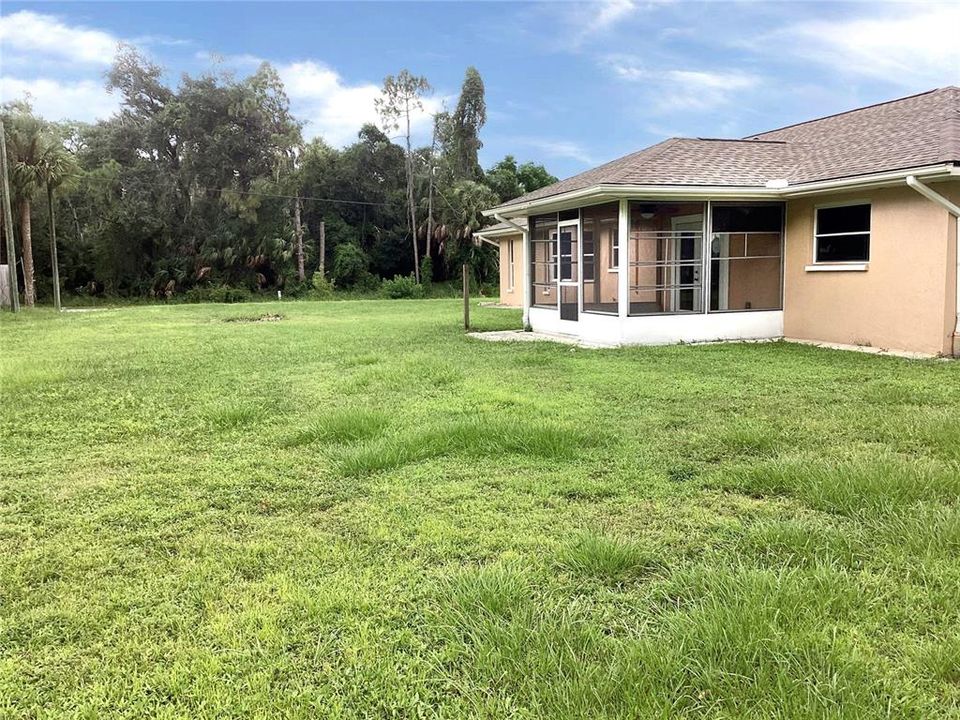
500	228
910	132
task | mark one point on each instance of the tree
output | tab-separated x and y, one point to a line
462	216
468	118
25	148
56	167
402	95
510	181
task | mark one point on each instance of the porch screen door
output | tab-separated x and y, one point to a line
569	250
687	237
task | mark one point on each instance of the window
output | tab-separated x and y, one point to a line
746	257
614	254
510	265
842	234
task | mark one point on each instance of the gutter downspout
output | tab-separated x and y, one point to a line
954	210
526	266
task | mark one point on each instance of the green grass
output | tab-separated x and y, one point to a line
350	510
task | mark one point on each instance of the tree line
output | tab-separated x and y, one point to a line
212	185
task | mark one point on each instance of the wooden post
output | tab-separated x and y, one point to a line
466	296
53	249
8	224
323	248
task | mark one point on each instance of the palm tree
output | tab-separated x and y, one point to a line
55	168
25	147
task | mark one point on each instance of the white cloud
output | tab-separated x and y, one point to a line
39	35
335	110
912	47
676	89
561	149
85	100
244	61
604	14
587	20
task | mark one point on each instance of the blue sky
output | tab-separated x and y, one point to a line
568	84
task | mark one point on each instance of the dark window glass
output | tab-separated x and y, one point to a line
566	254
843	248
569	215
843	234
845	219
747	218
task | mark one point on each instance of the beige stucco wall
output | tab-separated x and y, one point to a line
511	293
904	301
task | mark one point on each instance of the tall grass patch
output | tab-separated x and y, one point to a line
345	425
488	437
873	483
608	559
717	642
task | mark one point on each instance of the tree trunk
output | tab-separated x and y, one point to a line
323	249
76	220
413	208
8	223
433	148
53	250
26	247
298	233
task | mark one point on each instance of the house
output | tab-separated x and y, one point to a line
839	230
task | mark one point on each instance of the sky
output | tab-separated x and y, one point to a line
568	84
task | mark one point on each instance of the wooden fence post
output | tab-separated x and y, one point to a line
466	296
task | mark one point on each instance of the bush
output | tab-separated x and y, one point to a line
426	274
322	288
402	286
349	265
217	294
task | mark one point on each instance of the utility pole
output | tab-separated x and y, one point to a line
8	224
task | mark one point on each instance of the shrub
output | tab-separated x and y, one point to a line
349	264
426	274
402	286
217	294
322	288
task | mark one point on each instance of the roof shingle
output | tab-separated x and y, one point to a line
910	132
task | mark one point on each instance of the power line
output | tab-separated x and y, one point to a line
250	192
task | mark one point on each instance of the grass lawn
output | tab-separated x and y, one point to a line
356	511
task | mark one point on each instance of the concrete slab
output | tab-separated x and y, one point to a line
523	336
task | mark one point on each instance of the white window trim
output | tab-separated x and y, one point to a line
574	259
510	265
839	266
612	263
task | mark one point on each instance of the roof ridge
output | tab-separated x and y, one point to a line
654	151
739	140
754	136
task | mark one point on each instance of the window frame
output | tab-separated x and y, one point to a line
511	284
613	257
816	263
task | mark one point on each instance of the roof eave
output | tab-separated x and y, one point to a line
595	194
604	193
